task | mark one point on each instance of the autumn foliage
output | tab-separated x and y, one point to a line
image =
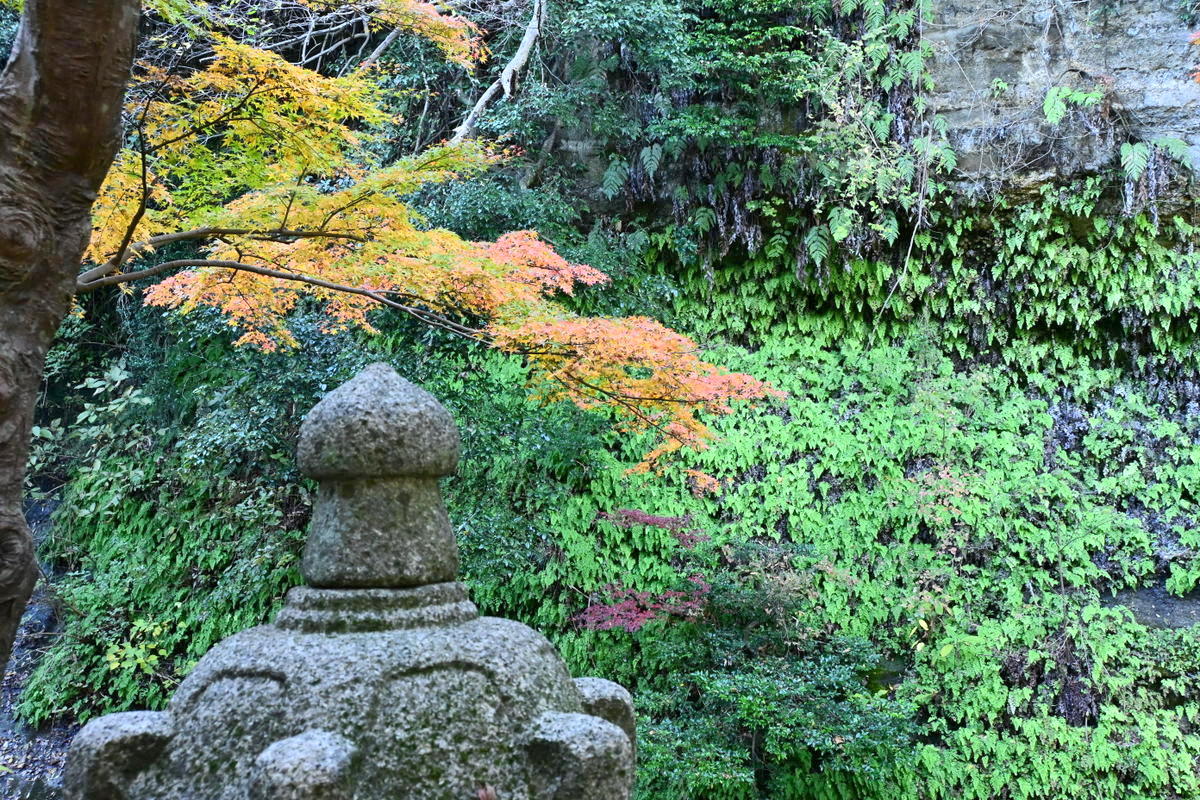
268	169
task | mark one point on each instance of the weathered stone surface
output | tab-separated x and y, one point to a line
104	758
378	425
312	766
379	532
387	686
610	701
363	610
996	61
378	444
580	757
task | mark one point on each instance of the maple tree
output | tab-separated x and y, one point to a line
266	167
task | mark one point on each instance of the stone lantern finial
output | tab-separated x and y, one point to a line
378	444
378	425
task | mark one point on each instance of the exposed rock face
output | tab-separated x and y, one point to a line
996	61
379	681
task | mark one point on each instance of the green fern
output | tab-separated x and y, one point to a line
1176	149
615	177
817	244
1135	157
651	156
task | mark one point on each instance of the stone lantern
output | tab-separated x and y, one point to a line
378	680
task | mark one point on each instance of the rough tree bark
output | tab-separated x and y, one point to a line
60	109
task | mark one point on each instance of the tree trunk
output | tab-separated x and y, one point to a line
60	109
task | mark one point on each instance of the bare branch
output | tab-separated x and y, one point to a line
379	51
145	198
508	76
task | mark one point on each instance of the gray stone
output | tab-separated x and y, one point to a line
378	425
379	532
380	681
378	443
105	757
315	765
580	757
995	62
610	701
1155	607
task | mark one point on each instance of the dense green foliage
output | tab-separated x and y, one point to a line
897	581
8	30
1054	281
898	535
789	129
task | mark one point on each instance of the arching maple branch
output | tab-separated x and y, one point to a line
424	315
88	280
348	240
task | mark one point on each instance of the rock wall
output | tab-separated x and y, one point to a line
996	61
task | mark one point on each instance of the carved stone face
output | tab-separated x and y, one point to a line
469	752
229	723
